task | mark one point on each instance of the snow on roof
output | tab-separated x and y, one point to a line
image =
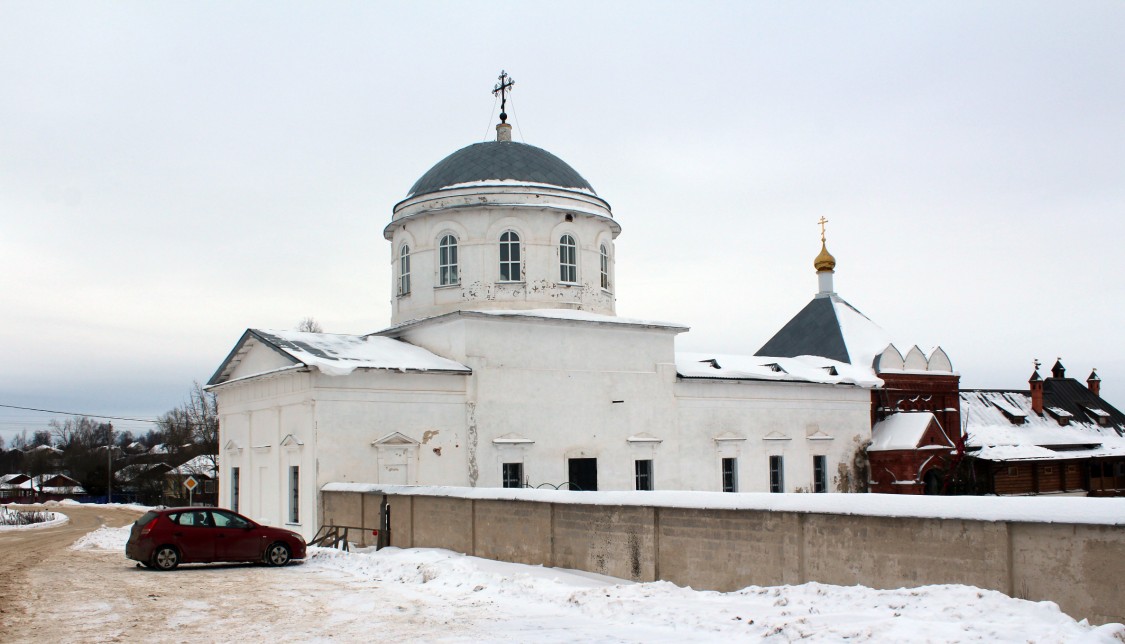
513	183
1098	412
1006	406
901	431
202	464
581	316
339	354
799	369
1060	412
864	338
1017	453
1086	510
985	415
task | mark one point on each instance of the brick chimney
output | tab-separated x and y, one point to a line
1036	383
1094	383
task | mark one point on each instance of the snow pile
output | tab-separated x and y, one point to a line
104	538
52	519
547	604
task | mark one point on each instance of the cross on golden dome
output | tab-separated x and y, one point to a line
824	261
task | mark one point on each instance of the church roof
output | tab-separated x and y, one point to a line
831	328
806	368
500	161
336	354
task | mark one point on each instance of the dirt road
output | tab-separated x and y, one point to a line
51	593
23	550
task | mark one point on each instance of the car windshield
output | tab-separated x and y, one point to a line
147	516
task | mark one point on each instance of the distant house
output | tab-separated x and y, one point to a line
48	487
1056	437
163	483
12	488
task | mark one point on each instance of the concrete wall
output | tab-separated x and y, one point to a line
1078	566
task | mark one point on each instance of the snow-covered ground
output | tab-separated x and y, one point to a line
467	598
52	519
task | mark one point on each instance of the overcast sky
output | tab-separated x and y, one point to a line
173	173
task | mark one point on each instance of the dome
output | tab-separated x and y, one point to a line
824	261
503	161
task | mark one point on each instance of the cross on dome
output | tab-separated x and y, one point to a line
824	262
502	88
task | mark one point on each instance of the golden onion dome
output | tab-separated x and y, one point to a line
824	261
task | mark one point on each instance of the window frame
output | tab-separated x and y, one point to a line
404	270
642	471
729	469
511	473
448	274
234	484
568	250
820	473
511	244
604	252
777	474
294	494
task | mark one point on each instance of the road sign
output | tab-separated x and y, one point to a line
190	483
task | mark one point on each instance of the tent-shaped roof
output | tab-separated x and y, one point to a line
831	328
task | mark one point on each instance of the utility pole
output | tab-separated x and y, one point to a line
109	465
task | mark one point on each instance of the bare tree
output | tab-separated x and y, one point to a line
310	325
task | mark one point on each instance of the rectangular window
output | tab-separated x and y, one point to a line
447	261
820	473
509	257
644	474
513	474
568	260
730	475
234	489
1013	471
294	494
404	271
605	267
777	474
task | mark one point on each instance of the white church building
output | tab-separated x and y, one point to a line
506	365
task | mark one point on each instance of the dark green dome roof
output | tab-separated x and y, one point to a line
500	160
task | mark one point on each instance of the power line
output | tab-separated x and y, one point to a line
74	413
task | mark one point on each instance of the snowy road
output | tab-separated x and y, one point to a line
89	592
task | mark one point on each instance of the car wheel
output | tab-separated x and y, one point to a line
277	554
165	558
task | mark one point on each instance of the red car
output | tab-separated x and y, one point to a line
166	538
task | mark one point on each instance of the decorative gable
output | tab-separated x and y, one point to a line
395	439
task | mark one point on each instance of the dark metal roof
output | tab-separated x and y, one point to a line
815	331
500	160
1070	395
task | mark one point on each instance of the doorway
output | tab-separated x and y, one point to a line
583	474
